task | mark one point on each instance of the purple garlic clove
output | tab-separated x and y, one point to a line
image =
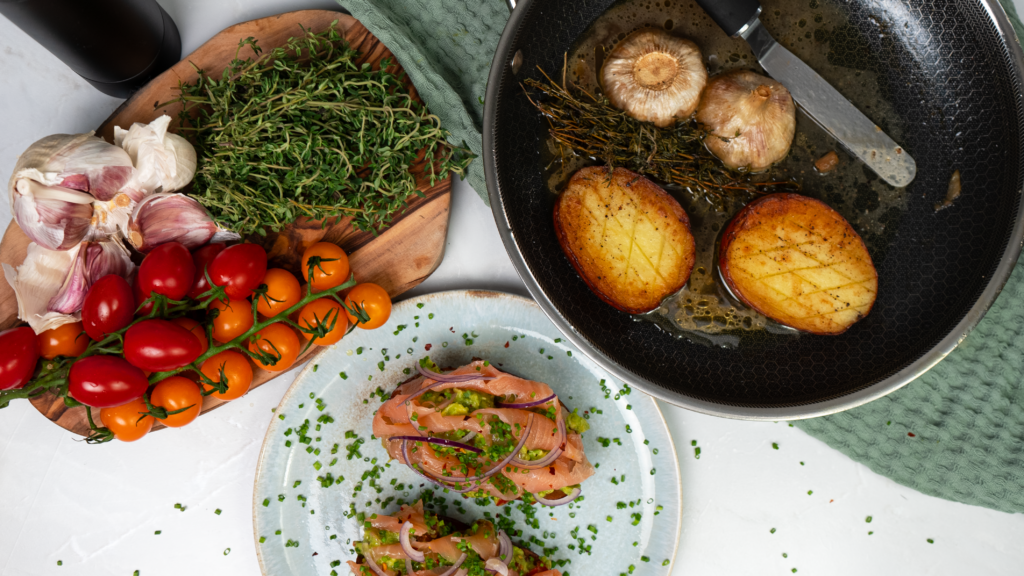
163	218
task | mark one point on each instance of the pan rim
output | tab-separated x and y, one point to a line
893	382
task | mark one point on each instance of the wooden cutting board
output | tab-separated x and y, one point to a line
398	259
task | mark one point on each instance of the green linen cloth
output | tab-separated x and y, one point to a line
966	415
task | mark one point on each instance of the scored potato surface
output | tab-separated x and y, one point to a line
628	239
799	262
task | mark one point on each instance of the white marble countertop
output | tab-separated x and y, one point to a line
95	508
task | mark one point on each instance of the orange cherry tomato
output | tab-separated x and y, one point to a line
195	328
327	312
374	300
124	420
234	318
279	341
331	269
175	393
283	292
237	372
68	340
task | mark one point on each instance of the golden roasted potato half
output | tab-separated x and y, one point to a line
800	263
627	238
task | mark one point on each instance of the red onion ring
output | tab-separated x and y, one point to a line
408	462
504	547
527	404
494	565
408	566
439	441
509	458
468	437
373	566
548	458
451	378
455	566
560	501
403	539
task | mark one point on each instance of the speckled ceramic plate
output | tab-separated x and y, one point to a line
302	508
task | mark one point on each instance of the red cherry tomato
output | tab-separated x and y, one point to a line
159	345
201	258
19	352
104	381
124	420
109	306
239	269
167	270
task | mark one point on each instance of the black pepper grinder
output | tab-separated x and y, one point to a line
115	45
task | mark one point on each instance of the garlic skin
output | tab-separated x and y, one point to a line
55	218
93	261
655	77
751	120
77	161
163	218
37	281
164	162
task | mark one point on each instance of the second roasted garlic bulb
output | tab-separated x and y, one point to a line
751	120
655	77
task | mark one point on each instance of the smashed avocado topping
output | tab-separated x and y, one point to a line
576	423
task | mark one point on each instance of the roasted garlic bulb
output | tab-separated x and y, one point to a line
751	120
655	77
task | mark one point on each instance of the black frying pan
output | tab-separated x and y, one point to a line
951	72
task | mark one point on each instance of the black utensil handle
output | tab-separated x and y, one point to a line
731	15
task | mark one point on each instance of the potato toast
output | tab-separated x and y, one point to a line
627	238
798	262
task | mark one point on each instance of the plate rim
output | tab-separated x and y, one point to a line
895	381
522	300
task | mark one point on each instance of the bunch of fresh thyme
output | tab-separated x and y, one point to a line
587	125
303	130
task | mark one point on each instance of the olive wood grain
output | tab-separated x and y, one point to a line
398	259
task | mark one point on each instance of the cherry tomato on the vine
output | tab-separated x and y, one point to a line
195	328
67	340
374	300
239	269
108	307
103	381
140	298
124	420
175	393
280	342
237	373
234	318
328	313
331	268
167	270
201	258
283	292
19	352
159	345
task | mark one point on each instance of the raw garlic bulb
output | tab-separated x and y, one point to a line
655	77
751	120
55	182
164	162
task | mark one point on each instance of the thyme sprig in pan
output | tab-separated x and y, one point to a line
303	130
588	125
